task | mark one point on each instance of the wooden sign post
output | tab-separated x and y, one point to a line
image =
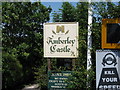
60	41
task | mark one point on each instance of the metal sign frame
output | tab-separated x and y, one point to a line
104	34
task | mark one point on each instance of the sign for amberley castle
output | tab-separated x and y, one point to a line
61	39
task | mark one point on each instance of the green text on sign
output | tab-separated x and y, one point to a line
58	79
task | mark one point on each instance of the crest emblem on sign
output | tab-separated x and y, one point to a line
60	29
109	59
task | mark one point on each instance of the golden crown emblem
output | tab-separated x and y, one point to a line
60	29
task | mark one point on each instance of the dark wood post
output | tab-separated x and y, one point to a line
49	64
73	64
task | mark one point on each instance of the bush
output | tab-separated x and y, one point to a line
12	71
41	77
78	80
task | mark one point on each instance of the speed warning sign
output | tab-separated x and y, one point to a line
107	70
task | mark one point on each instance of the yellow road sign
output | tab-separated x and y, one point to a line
111	33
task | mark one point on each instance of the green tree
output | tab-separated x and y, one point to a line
22	41
57	16
78	14
100	10
68	12
12	69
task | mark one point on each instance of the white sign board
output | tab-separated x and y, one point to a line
61	40
107	70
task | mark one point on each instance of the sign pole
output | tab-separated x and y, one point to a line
60	41
49	64
73	64
89	40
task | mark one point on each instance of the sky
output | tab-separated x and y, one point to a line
57	4
55	7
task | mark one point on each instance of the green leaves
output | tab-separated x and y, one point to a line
69	13
41	75
12	69
22	40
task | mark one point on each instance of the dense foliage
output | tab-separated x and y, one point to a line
69	13
22	41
